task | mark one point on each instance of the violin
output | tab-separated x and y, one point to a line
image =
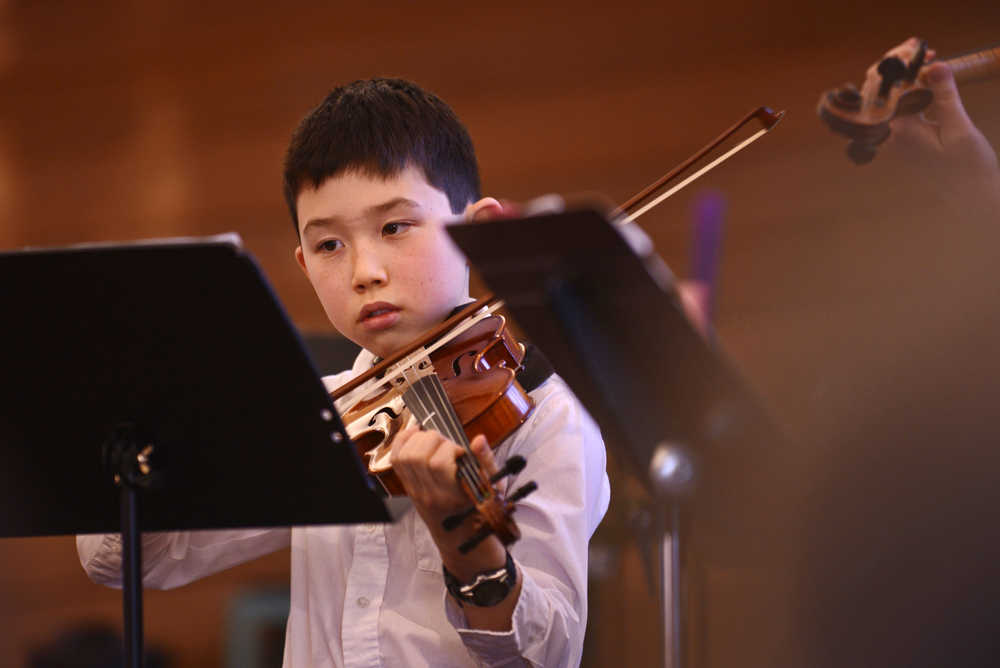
893	88
460	380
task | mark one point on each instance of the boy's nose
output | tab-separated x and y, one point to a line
369	272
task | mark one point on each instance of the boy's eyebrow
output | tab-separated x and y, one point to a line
372	210
392	204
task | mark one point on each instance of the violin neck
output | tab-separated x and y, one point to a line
974	66
426	399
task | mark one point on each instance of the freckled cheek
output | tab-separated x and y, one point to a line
330	287
447	256
332	277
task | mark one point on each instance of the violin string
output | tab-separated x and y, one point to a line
437	410
466	465
422	406
432	409
455	425
427	413
469	465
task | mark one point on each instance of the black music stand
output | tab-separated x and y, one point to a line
161	386
603	309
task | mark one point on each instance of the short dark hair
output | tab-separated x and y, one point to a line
379	127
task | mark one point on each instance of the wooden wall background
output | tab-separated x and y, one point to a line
124	120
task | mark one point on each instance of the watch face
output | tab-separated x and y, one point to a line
489	587
490	593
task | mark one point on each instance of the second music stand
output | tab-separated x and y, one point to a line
603	308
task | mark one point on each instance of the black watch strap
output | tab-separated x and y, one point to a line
486	589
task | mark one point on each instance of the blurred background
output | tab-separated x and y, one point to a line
133	119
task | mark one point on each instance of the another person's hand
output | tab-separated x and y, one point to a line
944	132
942	143
696	299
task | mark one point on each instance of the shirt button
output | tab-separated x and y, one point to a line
363	602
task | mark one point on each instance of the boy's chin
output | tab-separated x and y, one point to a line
385	345
386	342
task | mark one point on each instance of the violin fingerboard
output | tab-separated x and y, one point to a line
426	399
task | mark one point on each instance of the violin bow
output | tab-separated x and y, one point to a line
630	210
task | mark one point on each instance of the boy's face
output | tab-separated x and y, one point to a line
378	258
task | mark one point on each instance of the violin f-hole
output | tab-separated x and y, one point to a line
456	364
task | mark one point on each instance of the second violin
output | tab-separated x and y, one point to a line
893	88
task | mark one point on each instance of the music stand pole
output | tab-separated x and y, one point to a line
707	241
670	585
132	471
131	576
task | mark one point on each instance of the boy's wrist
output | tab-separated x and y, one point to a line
488	555
488	588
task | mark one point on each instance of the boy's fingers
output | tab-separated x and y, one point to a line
413	451
400	440
484	454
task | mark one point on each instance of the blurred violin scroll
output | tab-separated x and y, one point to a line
902	84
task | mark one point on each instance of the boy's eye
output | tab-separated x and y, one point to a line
392	229
329	245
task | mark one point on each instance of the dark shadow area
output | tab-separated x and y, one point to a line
91	645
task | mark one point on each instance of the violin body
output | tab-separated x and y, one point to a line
477	370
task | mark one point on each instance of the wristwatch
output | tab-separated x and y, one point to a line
487	589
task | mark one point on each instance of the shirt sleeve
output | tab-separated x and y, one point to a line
172	559
565	455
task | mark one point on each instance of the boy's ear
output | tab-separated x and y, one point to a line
301	259
484	209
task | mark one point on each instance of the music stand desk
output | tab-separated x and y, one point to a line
171	367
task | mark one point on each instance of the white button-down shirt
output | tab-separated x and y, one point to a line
374	596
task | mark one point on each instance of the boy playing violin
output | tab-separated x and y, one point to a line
370	176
